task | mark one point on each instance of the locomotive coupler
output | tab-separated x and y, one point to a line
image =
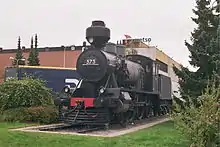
80	104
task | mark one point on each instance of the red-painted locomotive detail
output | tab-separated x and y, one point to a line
87	102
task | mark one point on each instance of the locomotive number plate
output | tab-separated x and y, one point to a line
90	62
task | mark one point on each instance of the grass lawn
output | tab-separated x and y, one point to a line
163	135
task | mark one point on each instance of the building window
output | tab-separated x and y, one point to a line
155	69
162	66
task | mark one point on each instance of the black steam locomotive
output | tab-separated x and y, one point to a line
114	88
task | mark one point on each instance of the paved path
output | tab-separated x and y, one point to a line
108	133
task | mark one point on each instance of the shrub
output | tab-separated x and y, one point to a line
201	124
24	93
39	114
13	115
48	114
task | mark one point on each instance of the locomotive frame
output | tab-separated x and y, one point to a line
113	88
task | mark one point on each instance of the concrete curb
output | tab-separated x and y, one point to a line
108	133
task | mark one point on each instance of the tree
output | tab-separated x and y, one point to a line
19	55
199	118
37	60
204	52
33	59
201	124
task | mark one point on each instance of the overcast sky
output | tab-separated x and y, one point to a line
63	22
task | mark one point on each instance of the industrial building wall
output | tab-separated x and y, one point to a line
52	58
148	52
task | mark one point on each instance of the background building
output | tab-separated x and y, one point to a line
165	62
49	56
67	57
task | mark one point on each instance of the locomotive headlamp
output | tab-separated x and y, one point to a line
90	40
66	89
101	90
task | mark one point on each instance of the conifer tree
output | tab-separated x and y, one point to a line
19	54
31	58
204	52
37	60
35	41
32	42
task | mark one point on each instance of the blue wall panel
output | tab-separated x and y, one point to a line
55	78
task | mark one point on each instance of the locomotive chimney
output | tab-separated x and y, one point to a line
98	35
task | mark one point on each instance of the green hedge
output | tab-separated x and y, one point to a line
27	100
39	114
24	93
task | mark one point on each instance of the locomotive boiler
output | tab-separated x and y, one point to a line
113	88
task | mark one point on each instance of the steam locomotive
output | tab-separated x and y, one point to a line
114	88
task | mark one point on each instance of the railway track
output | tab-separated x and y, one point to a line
76	128
82	129
57	127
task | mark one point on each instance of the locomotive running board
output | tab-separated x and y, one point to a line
138	91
